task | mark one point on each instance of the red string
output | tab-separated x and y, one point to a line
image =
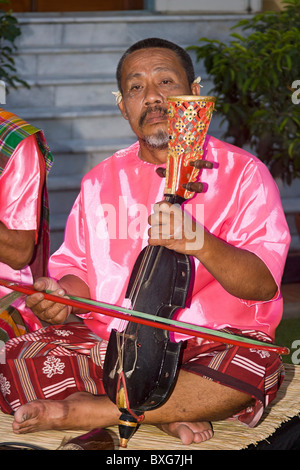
28	290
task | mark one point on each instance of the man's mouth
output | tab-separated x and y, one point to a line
153	115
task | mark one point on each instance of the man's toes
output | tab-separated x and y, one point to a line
203	436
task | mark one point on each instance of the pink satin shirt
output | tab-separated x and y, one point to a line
107	228
19	209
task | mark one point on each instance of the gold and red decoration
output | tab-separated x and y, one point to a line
189	118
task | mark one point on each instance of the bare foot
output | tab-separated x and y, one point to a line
81	411
189	433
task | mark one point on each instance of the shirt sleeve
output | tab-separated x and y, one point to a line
70	258
259	223
20	184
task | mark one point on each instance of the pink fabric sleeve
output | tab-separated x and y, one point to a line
259	224
70	258
20	187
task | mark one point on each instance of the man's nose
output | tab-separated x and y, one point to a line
152	95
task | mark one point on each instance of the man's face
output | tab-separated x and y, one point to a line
149	76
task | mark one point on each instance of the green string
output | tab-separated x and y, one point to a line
168	321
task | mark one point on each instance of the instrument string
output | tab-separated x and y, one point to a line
135	289
148	319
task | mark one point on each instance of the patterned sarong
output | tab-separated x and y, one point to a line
51	363
250	370
57	361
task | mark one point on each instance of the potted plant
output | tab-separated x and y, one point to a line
9	32
256	82
256	78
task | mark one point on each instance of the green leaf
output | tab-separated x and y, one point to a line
251	74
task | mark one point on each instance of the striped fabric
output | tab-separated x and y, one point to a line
58	361
51	363
252	371
13	130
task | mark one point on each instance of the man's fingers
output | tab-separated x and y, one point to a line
53	312
162	211
44	309
34	299
42	284
45	284
43	304
165	222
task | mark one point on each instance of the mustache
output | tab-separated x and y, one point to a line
153	109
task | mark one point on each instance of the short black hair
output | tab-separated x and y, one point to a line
161	43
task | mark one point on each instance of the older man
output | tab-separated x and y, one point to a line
238	270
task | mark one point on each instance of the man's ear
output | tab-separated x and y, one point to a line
123	110
196	89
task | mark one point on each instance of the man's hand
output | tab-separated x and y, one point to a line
240	272
46	310
175	229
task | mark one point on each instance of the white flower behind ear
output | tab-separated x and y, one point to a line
198	80
118	96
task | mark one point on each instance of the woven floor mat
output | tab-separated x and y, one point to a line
228	435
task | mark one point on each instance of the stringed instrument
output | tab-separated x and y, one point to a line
141	362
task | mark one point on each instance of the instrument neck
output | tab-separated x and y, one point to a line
174	199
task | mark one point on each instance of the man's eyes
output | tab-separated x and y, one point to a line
137	87
134	88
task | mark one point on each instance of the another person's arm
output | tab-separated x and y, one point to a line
20	200
16	246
